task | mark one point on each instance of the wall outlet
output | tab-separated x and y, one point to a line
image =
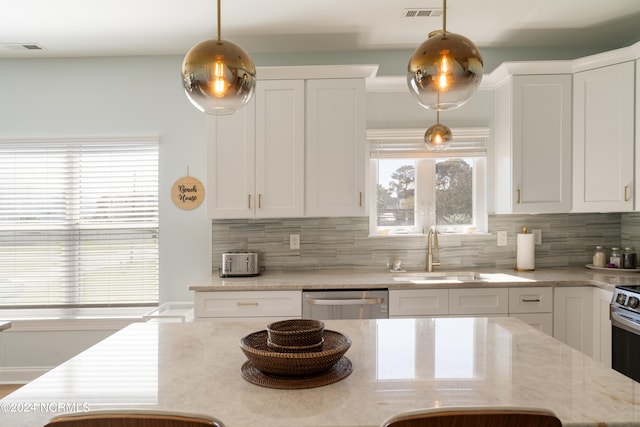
538	234
294	241
502	238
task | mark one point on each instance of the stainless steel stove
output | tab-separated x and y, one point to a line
625	331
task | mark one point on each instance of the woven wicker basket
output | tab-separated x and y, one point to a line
269	361
295	332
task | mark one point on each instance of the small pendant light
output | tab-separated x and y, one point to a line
444	70
218	76
438	137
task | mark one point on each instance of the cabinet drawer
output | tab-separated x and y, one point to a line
248	304
479	301
418	302
531	300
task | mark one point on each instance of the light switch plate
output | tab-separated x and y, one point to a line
294	241
502	238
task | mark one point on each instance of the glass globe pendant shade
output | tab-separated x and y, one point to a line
444	71
438	137
218	76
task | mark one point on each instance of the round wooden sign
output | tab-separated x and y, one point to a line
187	193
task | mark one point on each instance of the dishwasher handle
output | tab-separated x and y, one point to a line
355	301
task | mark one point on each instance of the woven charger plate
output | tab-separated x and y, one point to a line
339	371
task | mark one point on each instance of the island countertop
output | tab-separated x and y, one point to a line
398	364
344	278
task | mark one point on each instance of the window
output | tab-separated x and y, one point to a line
416	188
78	222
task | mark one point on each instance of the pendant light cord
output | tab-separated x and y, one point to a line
219	20
444	16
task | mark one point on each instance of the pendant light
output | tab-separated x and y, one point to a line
438	137
444	70
218	76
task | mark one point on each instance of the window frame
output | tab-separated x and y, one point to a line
408	144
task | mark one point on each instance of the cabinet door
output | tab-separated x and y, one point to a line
572	317
603	145
336	150
479	301
230	164
602	326
279	148
418	302
533	133
541	321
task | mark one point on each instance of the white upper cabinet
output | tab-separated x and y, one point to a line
603	139
231	164
280	123
336	147
256	156
533	144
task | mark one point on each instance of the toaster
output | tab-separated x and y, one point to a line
239	264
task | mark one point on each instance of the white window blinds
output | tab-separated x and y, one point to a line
78	222
409	144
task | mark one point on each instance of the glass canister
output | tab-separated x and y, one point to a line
615	258
629	258
599	257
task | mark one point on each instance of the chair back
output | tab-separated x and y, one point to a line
475	417
133	419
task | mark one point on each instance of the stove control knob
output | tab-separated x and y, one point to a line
621	298
633	302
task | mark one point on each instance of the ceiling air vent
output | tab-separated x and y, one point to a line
32	46
21	46
423	13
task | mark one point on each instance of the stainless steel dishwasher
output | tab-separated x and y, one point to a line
345	304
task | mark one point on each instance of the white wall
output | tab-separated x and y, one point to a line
121	96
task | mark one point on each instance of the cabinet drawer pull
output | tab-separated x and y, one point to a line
626	193
249	200
518	200
247	304
530	299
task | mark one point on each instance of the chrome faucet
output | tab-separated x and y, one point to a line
432	246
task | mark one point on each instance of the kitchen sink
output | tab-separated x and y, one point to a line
437	276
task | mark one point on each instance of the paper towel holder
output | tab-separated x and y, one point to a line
525	251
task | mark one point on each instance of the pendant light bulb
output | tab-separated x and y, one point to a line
218	76
438	137
444	70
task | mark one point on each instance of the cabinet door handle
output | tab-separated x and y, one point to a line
259	201
360	202
249	200
247	304
626	193
518	198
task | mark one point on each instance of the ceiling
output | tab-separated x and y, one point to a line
75	28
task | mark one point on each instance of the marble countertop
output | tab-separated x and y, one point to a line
398	365
337	279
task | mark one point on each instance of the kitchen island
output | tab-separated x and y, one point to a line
398	364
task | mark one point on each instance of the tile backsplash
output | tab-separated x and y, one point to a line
326	243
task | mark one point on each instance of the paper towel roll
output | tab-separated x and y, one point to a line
526	252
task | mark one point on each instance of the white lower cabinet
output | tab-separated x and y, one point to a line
418	302
572	317
489	301
602	326
533	305
268	304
